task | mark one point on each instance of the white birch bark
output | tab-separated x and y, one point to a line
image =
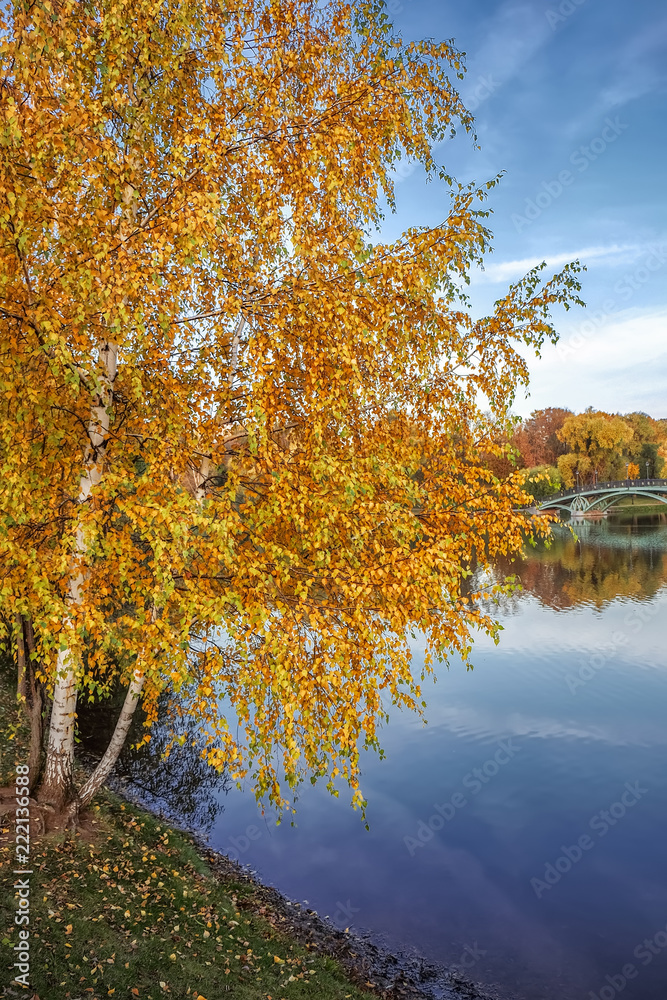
122	727
56	788
112	752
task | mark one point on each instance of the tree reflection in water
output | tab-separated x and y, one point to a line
620	556
183	786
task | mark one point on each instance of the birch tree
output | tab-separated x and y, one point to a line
241	434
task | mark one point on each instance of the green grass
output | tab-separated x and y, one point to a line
127	908
640	502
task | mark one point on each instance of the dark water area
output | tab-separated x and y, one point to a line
520	835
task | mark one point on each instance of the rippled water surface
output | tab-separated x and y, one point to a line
544	870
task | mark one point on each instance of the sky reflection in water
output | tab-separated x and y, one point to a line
578	686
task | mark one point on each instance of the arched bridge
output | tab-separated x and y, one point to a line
602	496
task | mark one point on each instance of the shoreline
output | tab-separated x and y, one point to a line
385	970
365	962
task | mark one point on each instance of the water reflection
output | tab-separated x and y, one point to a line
592	609
181	786
605	559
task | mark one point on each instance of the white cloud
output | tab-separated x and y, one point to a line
618	364
510	270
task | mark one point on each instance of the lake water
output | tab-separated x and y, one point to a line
521	834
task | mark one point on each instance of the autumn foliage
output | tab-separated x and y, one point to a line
240	441
609	446
537	440
558	446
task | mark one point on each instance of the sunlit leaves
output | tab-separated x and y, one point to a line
292	473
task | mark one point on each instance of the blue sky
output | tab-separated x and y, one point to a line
570	98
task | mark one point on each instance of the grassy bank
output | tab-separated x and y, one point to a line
627	505
127	907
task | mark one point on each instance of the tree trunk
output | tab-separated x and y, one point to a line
36	705
31	694
57	789
21	685
112	752
36	736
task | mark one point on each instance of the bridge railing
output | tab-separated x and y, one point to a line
606	485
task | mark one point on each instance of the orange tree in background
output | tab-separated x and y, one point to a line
537	437
596	443
645	448
240	442
614	445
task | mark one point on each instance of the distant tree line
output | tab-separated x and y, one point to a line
559	448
